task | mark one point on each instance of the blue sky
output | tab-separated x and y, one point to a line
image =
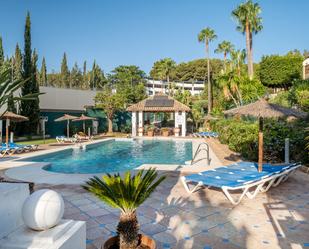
139	32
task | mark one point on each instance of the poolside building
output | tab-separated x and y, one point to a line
159	103
55	102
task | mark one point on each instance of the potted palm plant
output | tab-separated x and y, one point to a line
126	194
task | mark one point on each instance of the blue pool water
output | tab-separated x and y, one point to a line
114	156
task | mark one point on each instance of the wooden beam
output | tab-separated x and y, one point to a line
260	162
7	124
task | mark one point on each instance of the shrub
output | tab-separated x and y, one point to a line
242	136
280	71
299	94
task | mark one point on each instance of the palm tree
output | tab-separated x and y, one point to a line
167	66
126	194
238	57
206	36
249	23
224	47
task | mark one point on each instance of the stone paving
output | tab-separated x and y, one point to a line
205	219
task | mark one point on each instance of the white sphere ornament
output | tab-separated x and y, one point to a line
43	209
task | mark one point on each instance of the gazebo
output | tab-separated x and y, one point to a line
154	104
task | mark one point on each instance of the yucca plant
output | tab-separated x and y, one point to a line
127	194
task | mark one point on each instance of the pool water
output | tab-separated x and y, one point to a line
115	156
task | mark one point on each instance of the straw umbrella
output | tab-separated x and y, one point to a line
262	109
66	117
10	116
83	118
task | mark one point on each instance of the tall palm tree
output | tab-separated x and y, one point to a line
206	36
249	22
238	58
126	194
224	47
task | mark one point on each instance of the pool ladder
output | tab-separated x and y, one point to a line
201	147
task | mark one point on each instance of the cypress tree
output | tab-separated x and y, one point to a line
43	74
85	84
18	64
76	77
65	73
29	108
1	53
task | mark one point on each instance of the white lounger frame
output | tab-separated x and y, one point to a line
262	185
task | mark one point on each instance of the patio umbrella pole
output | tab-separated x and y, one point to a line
68	127
7	132
260	163
84	127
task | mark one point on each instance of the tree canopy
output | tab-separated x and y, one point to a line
280	71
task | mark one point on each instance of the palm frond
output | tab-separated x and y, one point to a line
127	192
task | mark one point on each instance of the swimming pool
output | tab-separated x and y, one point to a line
115	156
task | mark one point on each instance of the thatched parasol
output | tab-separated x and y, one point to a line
263	109
10	116
66	117
84	118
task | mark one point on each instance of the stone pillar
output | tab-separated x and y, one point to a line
140	124
183	124
133	120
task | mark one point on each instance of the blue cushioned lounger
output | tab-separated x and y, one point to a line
241	176
205	134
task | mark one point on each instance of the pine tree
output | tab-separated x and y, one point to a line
85	84
43	74
1	53
29	108
65	73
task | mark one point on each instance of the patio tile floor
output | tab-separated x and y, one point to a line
205	219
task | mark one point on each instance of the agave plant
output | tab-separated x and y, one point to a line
126	194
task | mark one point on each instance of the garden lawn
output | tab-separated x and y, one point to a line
40	141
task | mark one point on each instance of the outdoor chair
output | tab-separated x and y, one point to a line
240	177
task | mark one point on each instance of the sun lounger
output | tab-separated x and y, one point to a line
81	136
63	139
205	134
243	177
4	150
24	147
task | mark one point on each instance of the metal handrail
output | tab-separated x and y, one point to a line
199	149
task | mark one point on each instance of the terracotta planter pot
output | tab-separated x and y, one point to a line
176	131
150	133
144	240
165	133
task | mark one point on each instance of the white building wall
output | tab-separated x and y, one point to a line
157	86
